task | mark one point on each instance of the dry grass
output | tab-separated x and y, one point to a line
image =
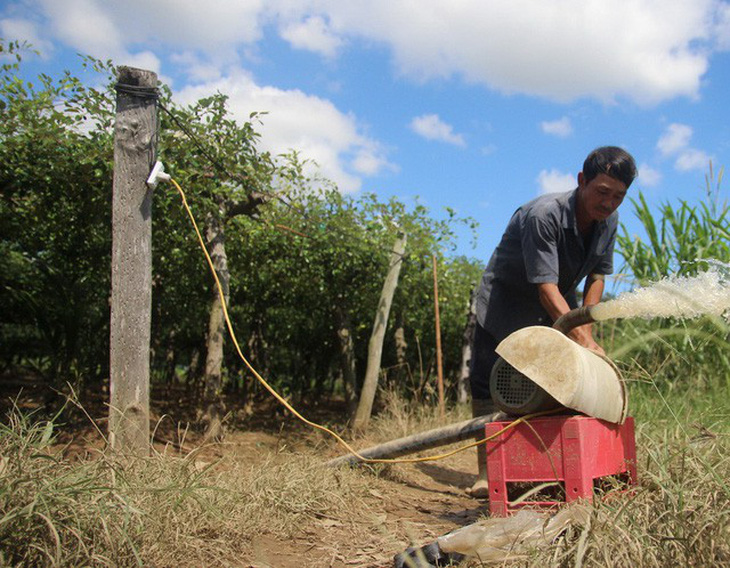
173	510
398	418
158	511
680	514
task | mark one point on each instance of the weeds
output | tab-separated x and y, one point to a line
398	418
177	510
681	240
680	514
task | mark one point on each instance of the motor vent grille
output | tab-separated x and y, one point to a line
512	388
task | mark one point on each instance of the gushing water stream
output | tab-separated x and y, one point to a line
686	297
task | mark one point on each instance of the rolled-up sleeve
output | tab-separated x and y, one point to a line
540	249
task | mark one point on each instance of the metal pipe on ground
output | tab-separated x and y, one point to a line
458	432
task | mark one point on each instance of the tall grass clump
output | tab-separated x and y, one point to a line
680	236
400	417
165	510
680	513
695	352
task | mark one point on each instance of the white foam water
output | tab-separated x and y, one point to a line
685	297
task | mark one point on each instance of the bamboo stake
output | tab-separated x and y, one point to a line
439	362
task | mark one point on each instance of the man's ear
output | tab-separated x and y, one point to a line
581	179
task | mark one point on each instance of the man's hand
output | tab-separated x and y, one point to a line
555	305
582	336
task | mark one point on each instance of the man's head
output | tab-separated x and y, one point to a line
607	174
613	161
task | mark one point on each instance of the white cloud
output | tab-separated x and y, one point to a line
86	26
692	159
93	29
722	27
554	181
562	128
431	127
21	29
296	120
312	34
197	68
216	27
675	139
648	176
659	50
675	143
369	161
558	50
141	60
488	150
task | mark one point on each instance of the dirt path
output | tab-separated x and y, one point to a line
408	504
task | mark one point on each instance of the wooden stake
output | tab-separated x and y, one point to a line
135	135
439	362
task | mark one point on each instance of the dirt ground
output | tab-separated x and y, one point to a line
413	505
407	505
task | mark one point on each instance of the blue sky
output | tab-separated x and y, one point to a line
478	105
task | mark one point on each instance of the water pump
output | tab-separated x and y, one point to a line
541	369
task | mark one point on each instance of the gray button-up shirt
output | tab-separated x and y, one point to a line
540	245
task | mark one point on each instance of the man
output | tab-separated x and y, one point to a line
550	245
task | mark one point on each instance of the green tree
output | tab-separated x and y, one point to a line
302	263
55	190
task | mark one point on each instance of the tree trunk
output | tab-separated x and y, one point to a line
192	377
347	360
258	347
466	349
215	235
375	347
439	359
402	371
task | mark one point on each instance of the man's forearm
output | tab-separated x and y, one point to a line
593	290
556	305
552	300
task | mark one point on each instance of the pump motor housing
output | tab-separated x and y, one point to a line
515	394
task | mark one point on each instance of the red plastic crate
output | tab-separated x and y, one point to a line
573	450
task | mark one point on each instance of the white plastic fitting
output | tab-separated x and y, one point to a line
157	175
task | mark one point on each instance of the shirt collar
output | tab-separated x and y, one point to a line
569	221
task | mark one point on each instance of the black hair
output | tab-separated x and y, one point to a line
612	161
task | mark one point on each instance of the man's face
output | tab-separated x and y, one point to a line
601	196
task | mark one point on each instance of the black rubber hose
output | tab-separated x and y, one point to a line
574	318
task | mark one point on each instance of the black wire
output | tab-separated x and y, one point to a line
149	93
220	167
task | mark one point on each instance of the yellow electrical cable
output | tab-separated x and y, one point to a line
293	410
